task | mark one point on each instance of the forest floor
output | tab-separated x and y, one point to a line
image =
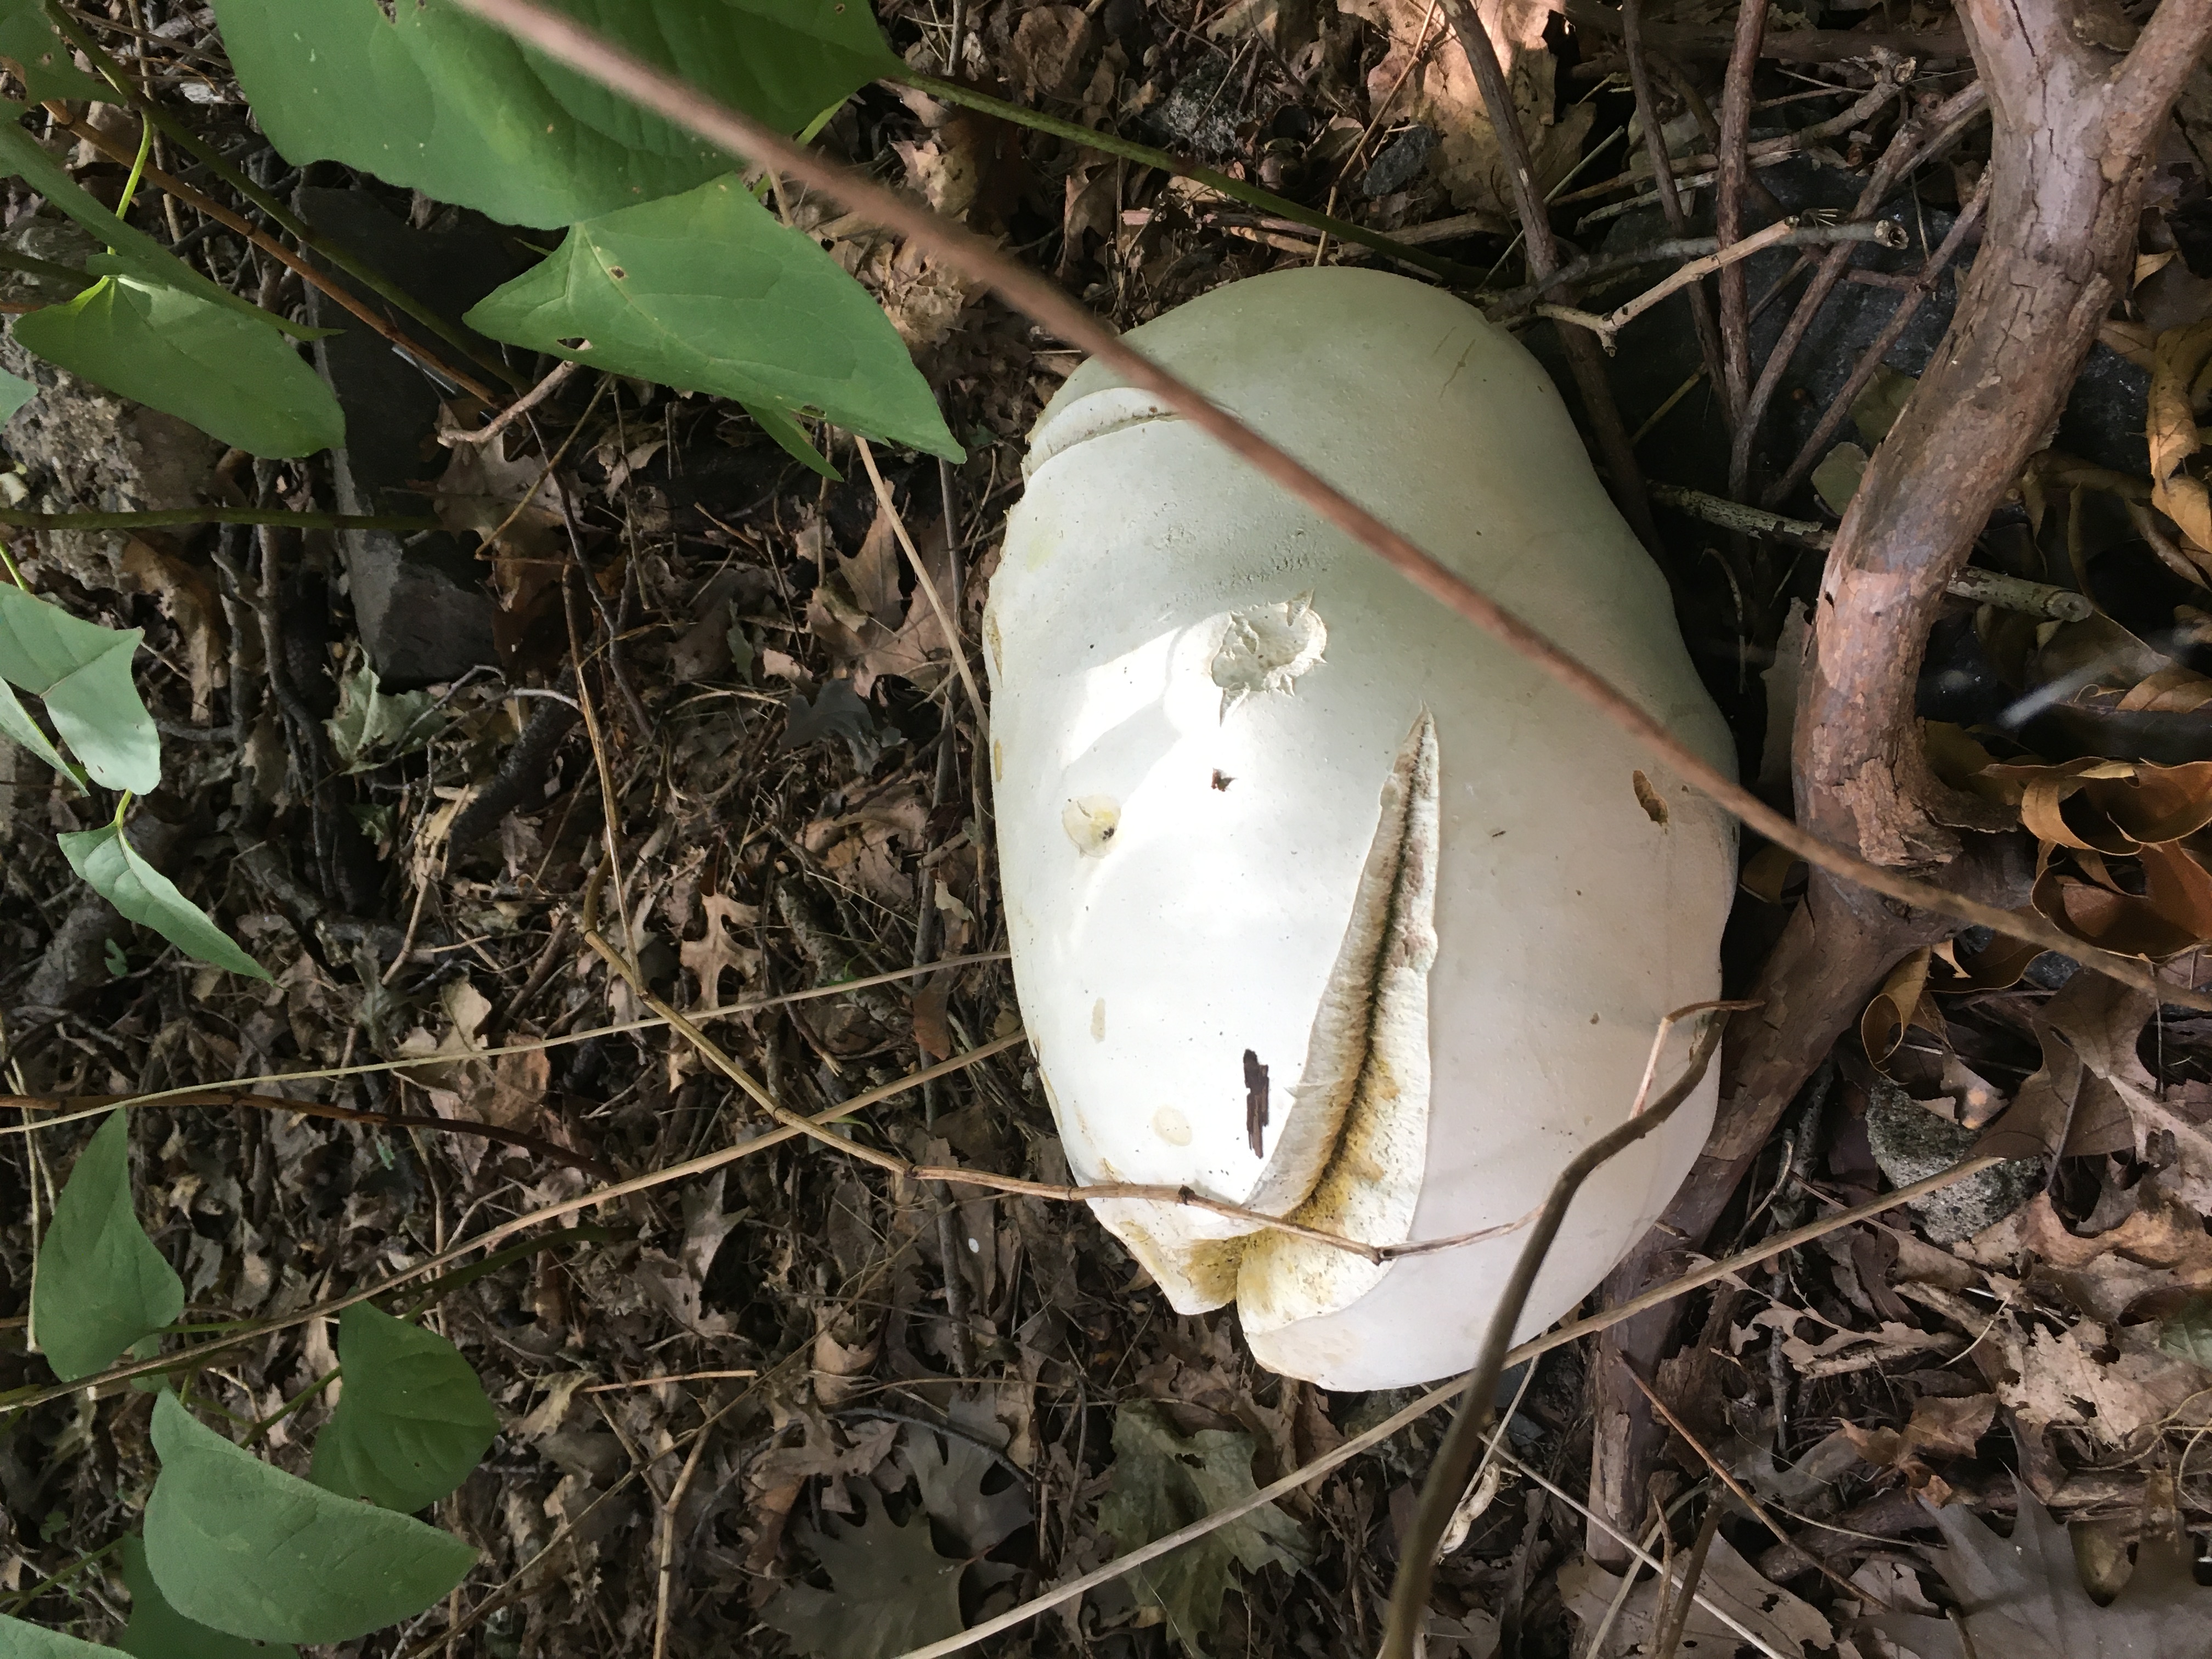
796	1404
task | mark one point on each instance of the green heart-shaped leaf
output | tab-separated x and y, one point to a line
20	1641
130	247
202	362
707	292
100	1285
83	671
158	1631
16	720
412	1421
240	1547
29	40
422	94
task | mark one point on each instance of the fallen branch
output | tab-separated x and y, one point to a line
184	1093
1794	231
160	517
1916	140
1662	175
1972	583
515	411
1624	475
1805	233
1787	45
1908	306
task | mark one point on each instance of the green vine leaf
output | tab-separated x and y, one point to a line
20	1641
16	722
158	1631
130	248
793	436
423	96
41	58
239	1546
176	352
83	671
707	292
15	392
99	1284
412	1421
108	862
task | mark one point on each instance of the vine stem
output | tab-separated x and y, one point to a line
154	518
1455	1459
591	54
76	1108
337	292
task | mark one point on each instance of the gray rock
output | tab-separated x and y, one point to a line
85	450
1912	1142
420	601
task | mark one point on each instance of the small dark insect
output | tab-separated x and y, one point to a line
1255	1101
1222	780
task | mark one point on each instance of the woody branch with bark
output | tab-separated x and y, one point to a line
2074	130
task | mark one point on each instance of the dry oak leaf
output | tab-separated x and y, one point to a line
890	1591
2105	1381
967	1490
717	949
2159	1252
678	1283
2170	425
2021	1597
1432	84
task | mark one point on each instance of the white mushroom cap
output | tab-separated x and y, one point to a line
1257	796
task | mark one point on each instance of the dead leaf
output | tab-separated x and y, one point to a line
1903	1002
188	599
837	1367
890	1589
2170	425
819	1455
1047	49
2107	1382
2021	1597
931	1034
967	1489
2158	1254
1941	1426
719	949
1782	1620
512	506
1438	90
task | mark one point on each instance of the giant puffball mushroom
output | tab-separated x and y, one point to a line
1323	903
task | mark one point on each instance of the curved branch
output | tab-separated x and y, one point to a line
2070	158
